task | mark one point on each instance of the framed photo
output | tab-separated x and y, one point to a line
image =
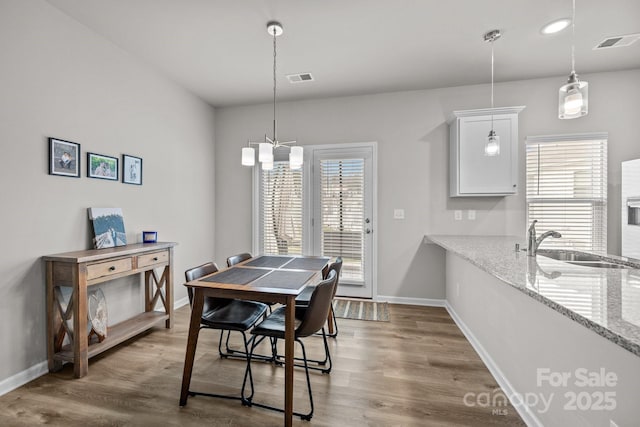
64	158
131	169
101	166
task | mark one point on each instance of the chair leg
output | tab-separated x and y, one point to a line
308	416
332	319
244	381
327	354
327	357
249	401
237	354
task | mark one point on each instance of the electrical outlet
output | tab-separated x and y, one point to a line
398	214
471	215
457	215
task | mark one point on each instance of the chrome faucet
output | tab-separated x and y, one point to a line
533	242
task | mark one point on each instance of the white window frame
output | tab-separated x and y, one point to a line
567	138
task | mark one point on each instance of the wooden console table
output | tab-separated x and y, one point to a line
82	269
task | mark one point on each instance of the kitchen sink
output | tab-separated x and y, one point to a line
581	258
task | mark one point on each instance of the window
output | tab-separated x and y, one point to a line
567	189
281	210
342	210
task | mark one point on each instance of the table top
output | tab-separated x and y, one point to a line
90	255
272	274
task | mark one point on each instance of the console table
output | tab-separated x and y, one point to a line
82	269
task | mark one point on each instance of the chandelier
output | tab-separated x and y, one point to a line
265	149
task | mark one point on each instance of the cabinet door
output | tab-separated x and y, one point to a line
480	174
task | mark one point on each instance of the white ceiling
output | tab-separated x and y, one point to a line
220	50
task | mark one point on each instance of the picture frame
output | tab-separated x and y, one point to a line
131	169
64	158
102	167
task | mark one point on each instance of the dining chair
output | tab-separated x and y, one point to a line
225	315
302	300
237	259
274	327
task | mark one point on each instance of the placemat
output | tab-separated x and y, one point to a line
307	264
269	261
237	276
284	279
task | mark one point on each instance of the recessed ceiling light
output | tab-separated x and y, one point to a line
556	26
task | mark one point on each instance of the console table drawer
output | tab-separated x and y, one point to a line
153	258
109	268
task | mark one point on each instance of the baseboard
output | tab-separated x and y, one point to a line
21	378
180	303
428	302
523	410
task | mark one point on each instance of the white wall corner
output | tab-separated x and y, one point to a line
523	410
21	378
427	302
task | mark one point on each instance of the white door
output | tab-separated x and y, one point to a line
342	220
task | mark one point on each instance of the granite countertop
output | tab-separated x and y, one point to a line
605	300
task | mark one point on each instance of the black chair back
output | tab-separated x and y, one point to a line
237	259
196	273
316	314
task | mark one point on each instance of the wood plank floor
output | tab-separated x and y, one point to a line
412	371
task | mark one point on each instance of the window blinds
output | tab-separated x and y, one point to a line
281	209
567	191
342	204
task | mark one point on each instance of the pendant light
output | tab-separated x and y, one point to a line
265	149
492	146
573	97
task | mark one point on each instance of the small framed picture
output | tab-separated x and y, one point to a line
64	158
101	166
131	169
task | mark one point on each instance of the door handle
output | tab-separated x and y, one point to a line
368	231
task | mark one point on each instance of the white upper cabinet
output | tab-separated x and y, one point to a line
471	172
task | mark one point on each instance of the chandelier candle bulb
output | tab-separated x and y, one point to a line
296	156
265	153
248	156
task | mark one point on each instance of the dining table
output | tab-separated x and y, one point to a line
266	278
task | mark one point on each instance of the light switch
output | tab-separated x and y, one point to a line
471	215
457	215
398	214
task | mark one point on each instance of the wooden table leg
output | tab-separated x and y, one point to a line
192	342
80	335
330	322
288	364
168	287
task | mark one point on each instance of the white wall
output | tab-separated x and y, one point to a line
527	340
59	79
412	134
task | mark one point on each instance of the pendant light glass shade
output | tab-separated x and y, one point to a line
573	99
492	147
492	144
248	156
267	166
296	157
265	152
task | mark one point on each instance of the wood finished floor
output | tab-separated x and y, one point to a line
412	371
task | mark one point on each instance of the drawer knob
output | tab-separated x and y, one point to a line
112	268
155	258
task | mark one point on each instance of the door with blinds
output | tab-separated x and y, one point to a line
342	220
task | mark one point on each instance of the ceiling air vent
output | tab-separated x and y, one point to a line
300	78
618	41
